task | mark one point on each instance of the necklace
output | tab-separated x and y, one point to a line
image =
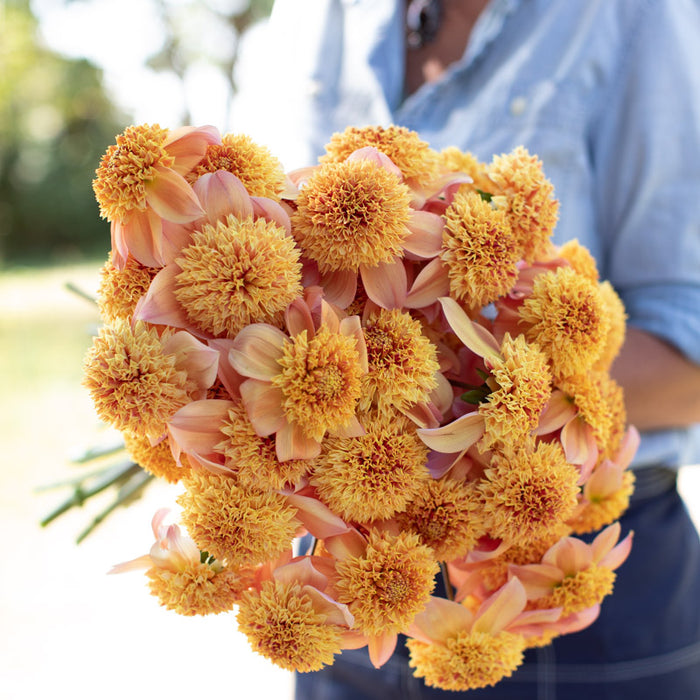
423	18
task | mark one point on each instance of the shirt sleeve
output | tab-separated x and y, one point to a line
645	147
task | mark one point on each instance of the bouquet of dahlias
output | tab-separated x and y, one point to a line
364	374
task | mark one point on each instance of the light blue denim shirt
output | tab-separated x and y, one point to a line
605	92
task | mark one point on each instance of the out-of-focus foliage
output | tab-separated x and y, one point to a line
55	123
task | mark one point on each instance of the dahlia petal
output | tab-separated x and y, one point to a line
316	517
142	562
291	443
199	360
425	234
346	545
386	284
578	621
120	251
351	639
430	284
263	403
557	413
222	193
301	571
538	579
353	428
340	287
141	236
479	340
188	144
501	608
159	305
352	327
227	374
256	350
175	237
570	555
336	613
628	447
171	197
381	647
374	155
271	211
457	436
196	427
534	619
617	555
440	620
298	318
575	439
424	414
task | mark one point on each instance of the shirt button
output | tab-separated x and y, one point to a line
517	106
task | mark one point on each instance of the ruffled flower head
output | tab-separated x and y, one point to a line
138	379
413	156
527	198
240	526
237	272
182	578
120	290
402	362
567	317
260	172
140	182
372	476
479	250
528	493
156	459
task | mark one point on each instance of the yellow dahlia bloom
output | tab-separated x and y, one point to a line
140	182
138	379
528	492
156	459
290	625
567	317
580	259
302	386
527	198
413	156
615	311
479	251
387	584
237	272
260	172
454	160
242	527
120	290
182	578
446	514
371	476
402	362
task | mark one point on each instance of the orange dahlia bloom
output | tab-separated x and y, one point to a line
140	182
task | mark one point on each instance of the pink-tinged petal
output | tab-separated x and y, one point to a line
290	191
336	613
380	648
534	618
479	340
425	234
222	193
159	305
172	198
628	448
558	412
196	427
587	467
501	608
227	374
347	545
575	439
538	579
256	350
353	428
175	237
457	436
208	463
298	318
486	549
316	517
340	287
301	571
570	554
263	403
199	360
441	620
291	443
188	144
424	414
373	155
440	464
351	639
618	554
431	283
271	211
120	251
352	327
605	540
386	284
578	621
442	396
138	564
142	237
